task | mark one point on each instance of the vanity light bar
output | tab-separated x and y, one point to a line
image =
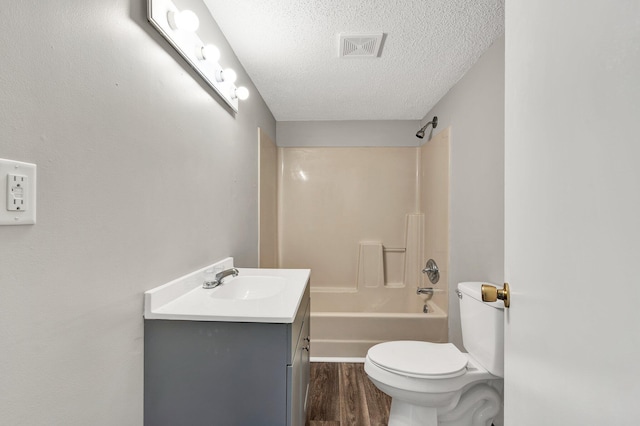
179	28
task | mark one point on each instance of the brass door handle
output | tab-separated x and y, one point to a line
491	294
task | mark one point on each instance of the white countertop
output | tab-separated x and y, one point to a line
185	299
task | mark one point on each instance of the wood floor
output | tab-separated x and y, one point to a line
340	394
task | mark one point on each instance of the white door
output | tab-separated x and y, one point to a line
572	218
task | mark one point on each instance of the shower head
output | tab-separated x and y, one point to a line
433	122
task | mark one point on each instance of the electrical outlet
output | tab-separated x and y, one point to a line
17	192
20	193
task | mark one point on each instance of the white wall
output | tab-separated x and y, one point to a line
143	176
348	133
474	108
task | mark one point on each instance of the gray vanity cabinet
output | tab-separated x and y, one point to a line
226	373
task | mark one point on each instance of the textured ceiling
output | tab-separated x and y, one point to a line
290	50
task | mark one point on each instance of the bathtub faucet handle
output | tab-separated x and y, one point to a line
432	271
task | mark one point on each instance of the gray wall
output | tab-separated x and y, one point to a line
474	108
143	176
348	133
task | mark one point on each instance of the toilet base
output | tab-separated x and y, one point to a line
476	407
406	414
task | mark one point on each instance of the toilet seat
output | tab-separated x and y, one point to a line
419	359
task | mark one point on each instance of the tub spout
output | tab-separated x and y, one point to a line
428	290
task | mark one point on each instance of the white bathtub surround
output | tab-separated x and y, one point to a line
344	213
185	299
374	216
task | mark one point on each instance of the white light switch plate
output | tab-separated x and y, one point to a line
17	193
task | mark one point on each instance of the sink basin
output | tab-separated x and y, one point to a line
249	287
256	295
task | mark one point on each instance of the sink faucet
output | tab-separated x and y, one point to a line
219	277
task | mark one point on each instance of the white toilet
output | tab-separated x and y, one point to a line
435	384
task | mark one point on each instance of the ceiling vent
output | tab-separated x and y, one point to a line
360	45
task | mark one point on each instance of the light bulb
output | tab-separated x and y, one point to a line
210	53
185	20
241	93
229	75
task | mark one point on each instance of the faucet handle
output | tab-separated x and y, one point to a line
432	271
210	276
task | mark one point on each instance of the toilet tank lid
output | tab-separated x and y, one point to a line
473	289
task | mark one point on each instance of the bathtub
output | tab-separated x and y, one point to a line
347	324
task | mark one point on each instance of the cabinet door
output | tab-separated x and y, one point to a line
200	373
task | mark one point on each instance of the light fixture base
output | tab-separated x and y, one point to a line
189	46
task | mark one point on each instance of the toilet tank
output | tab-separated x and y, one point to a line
482	327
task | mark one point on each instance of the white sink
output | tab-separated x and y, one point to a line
255	295
248	287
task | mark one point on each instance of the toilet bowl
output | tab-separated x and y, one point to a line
435	384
